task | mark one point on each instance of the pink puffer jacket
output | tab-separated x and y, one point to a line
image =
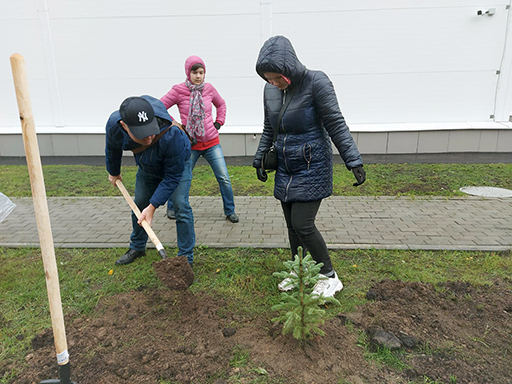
180	95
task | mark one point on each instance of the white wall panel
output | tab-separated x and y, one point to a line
402	64
389	41
244	102
289	6
91	9
391	61
23	36
153	48
416	97
98	59
17	10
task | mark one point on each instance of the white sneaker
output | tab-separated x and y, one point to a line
287	284
327	286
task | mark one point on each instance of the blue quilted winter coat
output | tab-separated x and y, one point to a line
312	119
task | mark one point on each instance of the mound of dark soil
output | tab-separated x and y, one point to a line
150	336
174	272
463	332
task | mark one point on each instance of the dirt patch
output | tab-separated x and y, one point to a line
174	272
150	336
464	333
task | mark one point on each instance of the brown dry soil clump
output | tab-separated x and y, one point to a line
456	332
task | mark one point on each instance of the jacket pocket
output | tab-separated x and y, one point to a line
307	154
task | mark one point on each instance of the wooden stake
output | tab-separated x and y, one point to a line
35	171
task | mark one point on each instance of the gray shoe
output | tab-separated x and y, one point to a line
171	215
233	218
130	256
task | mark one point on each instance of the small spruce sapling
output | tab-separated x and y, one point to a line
302	315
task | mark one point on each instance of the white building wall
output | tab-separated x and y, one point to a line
397	65
404	61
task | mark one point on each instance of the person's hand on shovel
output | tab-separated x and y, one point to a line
147	214
113	179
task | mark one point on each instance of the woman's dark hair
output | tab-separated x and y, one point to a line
196	66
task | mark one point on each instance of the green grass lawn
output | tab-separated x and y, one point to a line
382	180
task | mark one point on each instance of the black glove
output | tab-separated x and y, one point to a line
262	175
360	175
217	125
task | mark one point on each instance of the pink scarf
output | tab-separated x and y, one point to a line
195	122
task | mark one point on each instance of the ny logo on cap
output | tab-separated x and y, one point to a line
142	117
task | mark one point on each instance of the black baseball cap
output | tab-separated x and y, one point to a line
138	114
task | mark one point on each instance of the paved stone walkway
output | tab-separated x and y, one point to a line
467	223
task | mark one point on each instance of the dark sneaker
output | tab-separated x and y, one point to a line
130	256
233	218
171	215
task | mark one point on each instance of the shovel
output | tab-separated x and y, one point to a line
44	229
145	224
174	272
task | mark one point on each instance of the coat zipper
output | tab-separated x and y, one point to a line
308	161
284	154
291	176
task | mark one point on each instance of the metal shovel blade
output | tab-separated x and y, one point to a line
64	374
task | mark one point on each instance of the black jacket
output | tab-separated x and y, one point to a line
312	119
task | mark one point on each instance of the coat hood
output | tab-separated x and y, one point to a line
189	63
277	55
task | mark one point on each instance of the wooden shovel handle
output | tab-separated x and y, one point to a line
144	223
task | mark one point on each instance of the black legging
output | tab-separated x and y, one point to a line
300	220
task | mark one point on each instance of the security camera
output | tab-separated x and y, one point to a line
488	12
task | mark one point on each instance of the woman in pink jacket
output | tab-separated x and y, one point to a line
195	99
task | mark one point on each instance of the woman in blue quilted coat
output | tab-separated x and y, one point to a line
312	119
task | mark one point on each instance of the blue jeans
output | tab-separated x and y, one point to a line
215	158
145	185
